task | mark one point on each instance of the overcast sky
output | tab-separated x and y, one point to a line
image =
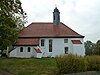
83	16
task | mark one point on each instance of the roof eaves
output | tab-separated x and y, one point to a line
25	45
52	36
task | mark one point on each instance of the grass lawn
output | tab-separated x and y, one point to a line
31	66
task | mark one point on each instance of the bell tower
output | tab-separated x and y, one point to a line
56	16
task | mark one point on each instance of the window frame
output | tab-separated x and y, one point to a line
50	45
21	49
42	42
54	17
66	50
28	49
65	40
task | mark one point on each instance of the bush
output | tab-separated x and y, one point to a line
93	63
71	63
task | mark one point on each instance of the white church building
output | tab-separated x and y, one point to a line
42	39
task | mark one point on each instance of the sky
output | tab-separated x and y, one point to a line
83	16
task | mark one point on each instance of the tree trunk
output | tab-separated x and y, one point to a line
7	51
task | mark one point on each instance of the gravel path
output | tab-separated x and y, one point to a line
86	73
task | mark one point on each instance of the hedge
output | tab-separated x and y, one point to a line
71	64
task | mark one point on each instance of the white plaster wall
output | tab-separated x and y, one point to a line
13	53
59	47
44	49
39	55
78	49
25	54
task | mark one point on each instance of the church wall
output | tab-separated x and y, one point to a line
58	47
25	54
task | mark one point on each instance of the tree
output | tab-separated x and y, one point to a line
96	51
89	46
12	19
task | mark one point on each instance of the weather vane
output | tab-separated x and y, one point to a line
55	5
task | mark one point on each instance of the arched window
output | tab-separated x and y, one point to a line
66	50
50	45
58	17
21	49
29	49
54	17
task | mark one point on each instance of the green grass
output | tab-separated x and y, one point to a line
31	66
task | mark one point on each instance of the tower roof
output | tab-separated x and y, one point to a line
56	10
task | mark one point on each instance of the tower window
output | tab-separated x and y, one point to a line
58	17
54	17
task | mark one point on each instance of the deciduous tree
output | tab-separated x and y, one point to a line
12	19
89	47
96	51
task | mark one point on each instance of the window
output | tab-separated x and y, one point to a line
21	49
66	50
29	49
65	40
58	17
50	45
42	42
54	17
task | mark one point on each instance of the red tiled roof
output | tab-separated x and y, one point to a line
48	30
76	42
38	50
27	41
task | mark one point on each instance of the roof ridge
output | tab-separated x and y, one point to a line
42	22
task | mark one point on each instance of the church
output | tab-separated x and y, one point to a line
48	39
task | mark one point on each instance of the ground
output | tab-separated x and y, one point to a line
32	66
85	73
4	73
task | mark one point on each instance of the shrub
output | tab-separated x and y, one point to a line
71	63
93	63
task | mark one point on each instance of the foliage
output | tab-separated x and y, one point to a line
12	19
92	48
50	66
93	63
31	66
89	47
71	64
96	51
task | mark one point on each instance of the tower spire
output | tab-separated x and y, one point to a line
55	5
